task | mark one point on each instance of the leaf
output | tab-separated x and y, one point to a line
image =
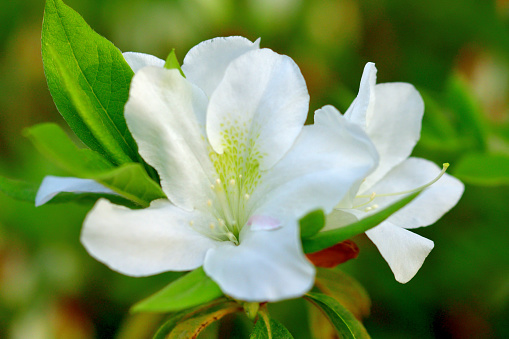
347	326
484	169
329	238
129	180
311	223
19	190
53	142
172	62
191	328
268	328
345	289
89	81
193	321
192	289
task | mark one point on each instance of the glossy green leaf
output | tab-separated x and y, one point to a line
311	223
19	190
268	328
129	180
483	169
192	289
89	81
172	62
329	238
345	323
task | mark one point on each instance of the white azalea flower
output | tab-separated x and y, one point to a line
238	167
391	115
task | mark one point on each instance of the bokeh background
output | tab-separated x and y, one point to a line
456	52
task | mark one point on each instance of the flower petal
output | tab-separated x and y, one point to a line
403	250
326	162
165	114
146	241
262	103
51	186
394	126
205	64
139	60
362	107
266	266
430	205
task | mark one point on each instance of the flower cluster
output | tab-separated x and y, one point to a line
239	169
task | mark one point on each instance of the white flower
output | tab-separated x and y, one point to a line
238	167
391	115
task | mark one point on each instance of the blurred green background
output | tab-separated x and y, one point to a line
456	52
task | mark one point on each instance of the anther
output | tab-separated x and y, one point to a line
212	226
209	203
191	223
232	182
246	196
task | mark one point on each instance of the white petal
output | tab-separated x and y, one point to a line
146	241
205	63
139	60
165	114
327	160
51	186
395	126
403	250
362	107
430	205
262	102
266	266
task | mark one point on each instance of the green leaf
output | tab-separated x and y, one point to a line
129	180
268	328
347	326
89	81
193	289
327	239
172	62
345	289
312	223
19	190
51	141
189	323
484	169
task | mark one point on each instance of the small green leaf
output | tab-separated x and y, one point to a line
193	289
327	239
173	63
347	326
89	81
311	223
484	169
19	190
268	328
129	180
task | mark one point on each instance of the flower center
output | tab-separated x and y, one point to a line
238	174
374	195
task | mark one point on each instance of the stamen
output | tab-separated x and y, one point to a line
420	188
209	203
232	182
246	196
